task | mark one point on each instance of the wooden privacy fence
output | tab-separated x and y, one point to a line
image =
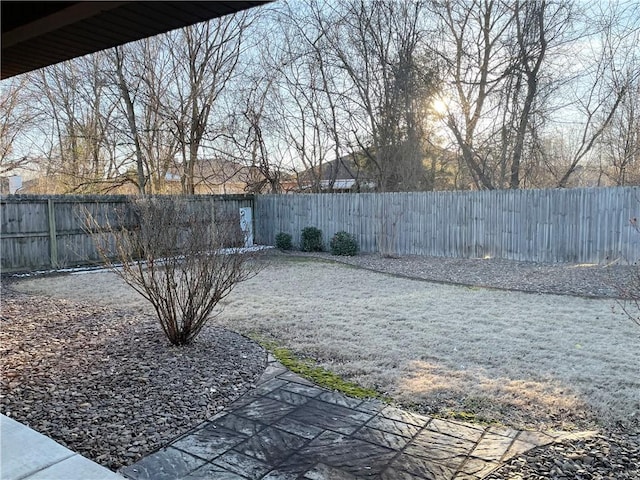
571	225
48	232
574	225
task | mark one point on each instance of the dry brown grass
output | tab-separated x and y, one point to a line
526	360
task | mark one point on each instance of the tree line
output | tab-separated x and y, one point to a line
407	96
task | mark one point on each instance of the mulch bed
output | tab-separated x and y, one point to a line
611	456
107	384
607	280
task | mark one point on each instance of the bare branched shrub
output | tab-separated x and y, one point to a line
182	260
630	304
629	289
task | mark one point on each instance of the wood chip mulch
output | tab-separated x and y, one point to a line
606	280
107	384
611	456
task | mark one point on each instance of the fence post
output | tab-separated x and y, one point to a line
53	237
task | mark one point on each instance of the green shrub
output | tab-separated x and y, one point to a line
311	240
344	243
283	241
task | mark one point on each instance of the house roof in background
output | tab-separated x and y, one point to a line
343	168
38	34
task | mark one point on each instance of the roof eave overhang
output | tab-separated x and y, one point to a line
39	34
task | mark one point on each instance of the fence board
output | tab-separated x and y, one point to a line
47	232
588	225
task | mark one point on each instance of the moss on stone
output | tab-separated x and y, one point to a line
308	369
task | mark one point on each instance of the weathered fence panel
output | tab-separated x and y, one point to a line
590	225
572	225
49	232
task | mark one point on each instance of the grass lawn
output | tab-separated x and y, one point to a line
524	360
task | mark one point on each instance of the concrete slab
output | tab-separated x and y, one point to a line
26	454
24	451
75	467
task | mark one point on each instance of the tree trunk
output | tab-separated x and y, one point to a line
131	120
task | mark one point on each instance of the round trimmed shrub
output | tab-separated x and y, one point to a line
311	240
344	243
283	241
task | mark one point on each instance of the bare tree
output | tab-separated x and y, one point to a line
76	100
130	116
184	263
249	136
160	147
302	121
592	128
16	119
378	46
204	59
532	34
350	82
605	86
619	147
535	92
471	32
327	101
495	55
252	138
288	103
141	78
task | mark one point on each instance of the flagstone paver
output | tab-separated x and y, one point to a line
289	429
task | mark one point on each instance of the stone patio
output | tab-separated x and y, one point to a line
287	428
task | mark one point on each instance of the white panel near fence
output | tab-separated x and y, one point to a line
246	224
589	225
